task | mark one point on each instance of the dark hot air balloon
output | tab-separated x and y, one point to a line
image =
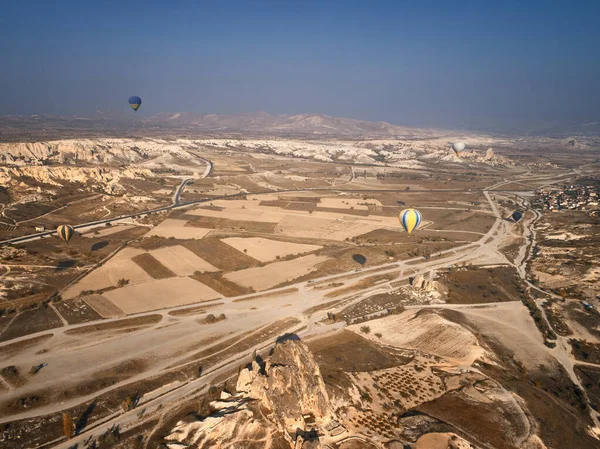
135	103
65	232
517	215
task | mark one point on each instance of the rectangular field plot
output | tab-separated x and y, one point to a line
261	278
220	255
236	212
181	260
324	228
266	250
103	306
178	229
347	203
159	294
152	266
119	267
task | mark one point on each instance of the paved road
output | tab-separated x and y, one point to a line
175	203
241	318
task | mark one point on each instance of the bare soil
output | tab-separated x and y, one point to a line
12	349
125	323
590	378
225	223
194	310
268	295
76	311
30	322
220	254
152	266
224	286
348	351
483	285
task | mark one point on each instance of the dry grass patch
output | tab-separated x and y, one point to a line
268	295
365	283
178	229
103	306
220	255
125	323
267	250
225	223
12	349
31	322
262	278
152	266
160	294
181	260
194	310
217	282
77	311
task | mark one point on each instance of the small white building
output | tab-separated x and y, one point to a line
40	228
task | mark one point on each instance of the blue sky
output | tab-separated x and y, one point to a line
426	63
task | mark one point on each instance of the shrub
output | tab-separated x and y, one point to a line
378	334
365	329
122	282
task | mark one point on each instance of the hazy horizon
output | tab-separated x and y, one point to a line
468	66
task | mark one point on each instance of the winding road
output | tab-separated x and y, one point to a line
178	336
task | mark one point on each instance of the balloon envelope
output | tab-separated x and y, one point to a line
135	103
458	146
65	232
410	219
359	258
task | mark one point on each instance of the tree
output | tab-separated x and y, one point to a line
122	282
68	426
365	329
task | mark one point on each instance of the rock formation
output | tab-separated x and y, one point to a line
277	401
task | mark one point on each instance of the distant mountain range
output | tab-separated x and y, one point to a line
300	124
45	127
258	124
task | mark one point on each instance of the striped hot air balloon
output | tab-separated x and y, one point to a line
135	103
65	232
410	219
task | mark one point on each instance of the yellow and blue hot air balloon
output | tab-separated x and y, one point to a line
135	103
410	219
65	232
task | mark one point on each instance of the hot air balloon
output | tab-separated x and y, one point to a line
517	215
410	219
458	147
135	103
65	232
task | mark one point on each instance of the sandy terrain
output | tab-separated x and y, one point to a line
237	213
178	229
511	324
181	261
347	203
119	267
160	293
551	280
441	441
325	228
261	278
266	250
427	332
